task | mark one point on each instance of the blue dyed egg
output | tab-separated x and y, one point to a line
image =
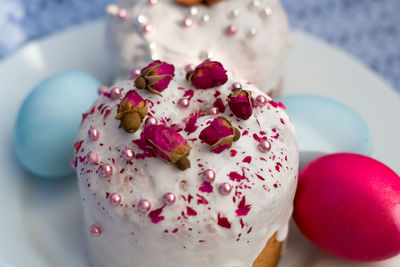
325	126
48	120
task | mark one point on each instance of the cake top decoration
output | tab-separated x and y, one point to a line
155	77
220	134
167	144
241	103
131	111
209	74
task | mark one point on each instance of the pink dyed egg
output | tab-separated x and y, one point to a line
349	206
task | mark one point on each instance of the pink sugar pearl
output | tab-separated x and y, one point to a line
231	30
128	154
209	176
151	121
183	103
95	230
102	89
225	188
169	198
106	170
115	199
93	134
144	205
92	157
260	101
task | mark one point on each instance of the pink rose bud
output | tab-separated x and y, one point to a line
155	77
207	75
167	144
220	134
131	111
241	103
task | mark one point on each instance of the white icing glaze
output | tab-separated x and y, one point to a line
257	59
130	238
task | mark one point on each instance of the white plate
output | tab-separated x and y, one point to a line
40	223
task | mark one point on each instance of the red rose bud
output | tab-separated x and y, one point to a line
241	103
220	134
167	144
155	77
131	111
207	75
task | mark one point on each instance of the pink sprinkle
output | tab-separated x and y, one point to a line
223	222
278	166
188	94
201	200
241	223
78	145
276	104
236	176
155	215
245	132
233	152
206	187
256	137
190	211
175	230
260	177
191	124
247	159
108	111
243	209
220	105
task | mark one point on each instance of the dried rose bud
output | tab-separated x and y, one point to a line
131	111
207	75
189	2
241	103
167	144
155	77
220	134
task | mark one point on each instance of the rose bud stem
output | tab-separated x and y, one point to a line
189	75
140	83
143	83
183	164
237	134
131	122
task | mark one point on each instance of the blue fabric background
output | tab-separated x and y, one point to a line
368	29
